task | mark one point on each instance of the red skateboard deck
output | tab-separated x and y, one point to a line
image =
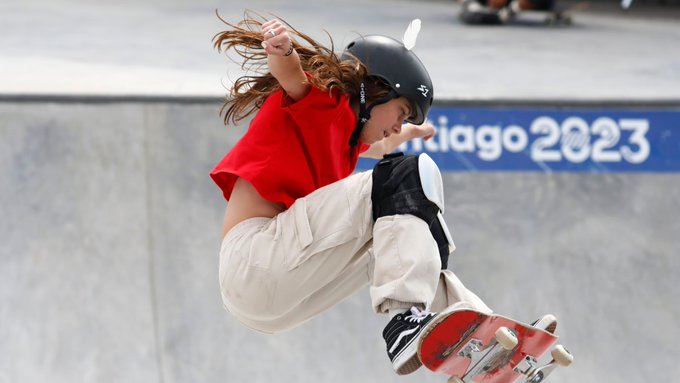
467	346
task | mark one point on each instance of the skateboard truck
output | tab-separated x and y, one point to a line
527	367
472	348
486	358
499	351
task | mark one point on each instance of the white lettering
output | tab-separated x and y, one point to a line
638	138
610	134
467	133
489	142
573	139
540	149
443	134
515	138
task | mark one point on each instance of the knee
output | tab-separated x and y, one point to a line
412	185
407	185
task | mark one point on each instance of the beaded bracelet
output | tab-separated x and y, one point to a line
290	51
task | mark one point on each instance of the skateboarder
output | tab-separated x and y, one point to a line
500	11
301	232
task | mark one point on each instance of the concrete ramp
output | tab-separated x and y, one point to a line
110	225
111	233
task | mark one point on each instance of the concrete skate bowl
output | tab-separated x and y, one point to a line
111	232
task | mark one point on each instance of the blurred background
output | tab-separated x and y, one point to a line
559	144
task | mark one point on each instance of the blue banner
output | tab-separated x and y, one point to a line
543	139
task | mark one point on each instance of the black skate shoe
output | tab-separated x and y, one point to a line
401	335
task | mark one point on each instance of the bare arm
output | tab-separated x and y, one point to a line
284	63
408	132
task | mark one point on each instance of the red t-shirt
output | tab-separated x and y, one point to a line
292	149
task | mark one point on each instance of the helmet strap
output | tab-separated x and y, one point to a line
365	111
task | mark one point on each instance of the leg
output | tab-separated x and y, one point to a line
277	273
411	243
407	264
412	185
452	294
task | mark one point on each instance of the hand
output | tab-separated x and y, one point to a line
425	130
276	38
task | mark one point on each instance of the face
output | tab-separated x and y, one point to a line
386	119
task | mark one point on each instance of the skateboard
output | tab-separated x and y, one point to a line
470	346
474	12
558	17
561	15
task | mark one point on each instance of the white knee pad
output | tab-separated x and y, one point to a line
433	187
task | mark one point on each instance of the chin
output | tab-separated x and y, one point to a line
368	141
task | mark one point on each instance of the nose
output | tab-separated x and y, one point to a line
396	128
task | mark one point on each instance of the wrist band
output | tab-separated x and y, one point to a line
290	51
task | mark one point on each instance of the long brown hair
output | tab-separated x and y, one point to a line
249	91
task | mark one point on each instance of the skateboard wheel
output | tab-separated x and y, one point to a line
506	338
562	356
455	379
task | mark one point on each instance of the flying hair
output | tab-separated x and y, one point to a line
328	72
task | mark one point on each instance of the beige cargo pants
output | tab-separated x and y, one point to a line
278	273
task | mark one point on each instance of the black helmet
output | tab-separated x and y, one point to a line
399	67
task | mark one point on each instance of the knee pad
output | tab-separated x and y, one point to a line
412	185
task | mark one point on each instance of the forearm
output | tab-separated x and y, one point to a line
284	67
394	141
283	60
389	144
408	132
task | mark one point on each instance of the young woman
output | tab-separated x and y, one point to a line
301	233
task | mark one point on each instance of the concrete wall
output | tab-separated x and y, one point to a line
110	232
